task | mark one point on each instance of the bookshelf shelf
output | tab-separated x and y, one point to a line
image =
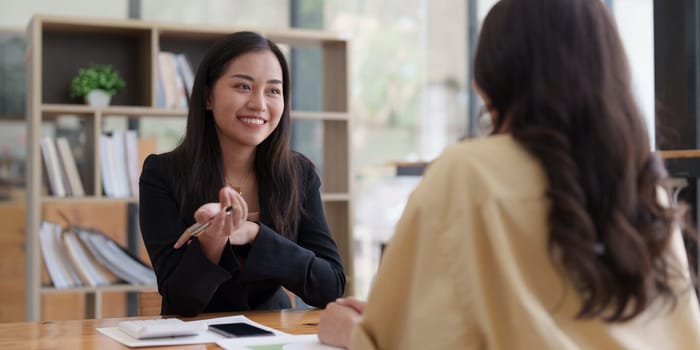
109	288
337	116
63	109
53	110
59	46
89	200
335	197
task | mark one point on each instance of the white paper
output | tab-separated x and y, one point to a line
204	337
284	342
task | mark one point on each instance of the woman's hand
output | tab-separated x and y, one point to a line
233	225
241	231
227	220
338	320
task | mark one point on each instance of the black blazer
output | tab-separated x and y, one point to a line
190	283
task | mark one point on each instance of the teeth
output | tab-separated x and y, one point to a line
252	121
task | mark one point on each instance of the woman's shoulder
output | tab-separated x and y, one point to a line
496	152
306	167
302	162
483	147
495	166
157	158
158	161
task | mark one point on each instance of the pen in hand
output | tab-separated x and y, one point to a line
196	230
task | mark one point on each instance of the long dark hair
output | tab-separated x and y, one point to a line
197	161
558	79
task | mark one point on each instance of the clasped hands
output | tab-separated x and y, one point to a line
223	223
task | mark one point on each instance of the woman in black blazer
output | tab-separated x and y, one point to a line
235	173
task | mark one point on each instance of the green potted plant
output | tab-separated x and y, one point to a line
97	84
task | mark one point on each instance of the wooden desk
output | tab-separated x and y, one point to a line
83	335
680	153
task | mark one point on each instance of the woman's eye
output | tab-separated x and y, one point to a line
275	91
242	86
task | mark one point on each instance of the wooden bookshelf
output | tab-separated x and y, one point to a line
59	46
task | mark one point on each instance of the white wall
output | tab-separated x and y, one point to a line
635	20
267	14
16	13
444	106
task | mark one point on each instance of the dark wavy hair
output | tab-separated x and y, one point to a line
197	162
557	76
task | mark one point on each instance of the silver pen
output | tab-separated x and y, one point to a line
198	228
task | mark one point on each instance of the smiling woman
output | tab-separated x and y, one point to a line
238	131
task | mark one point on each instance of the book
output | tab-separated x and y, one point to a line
184	68
53	167
132	161
70	168
118	165
106	159
168	73
160	87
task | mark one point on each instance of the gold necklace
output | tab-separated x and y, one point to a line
239	188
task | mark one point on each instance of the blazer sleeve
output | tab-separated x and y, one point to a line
311	266
187	279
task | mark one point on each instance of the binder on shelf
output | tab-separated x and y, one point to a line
60	270
117	259
83	262
78	256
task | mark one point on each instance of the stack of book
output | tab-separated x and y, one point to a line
119	163
83	257
61	168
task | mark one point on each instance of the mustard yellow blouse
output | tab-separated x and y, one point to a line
468	268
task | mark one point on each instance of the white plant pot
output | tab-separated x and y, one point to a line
98	98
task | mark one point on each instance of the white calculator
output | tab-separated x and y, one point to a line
161	328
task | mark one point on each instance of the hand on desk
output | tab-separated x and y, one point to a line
338	320
224	223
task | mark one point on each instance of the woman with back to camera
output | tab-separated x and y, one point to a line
553	233
259	218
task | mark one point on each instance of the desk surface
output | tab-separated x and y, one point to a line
83	335
680	153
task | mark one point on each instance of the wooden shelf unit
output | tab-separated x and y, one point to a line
59	46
